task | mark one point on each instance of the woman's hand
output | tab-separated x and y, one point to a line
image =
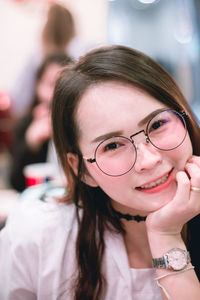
164	231
170	219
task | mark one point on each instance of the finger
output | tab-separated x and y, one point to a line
183	187
194	203
188	202
194	172
194	159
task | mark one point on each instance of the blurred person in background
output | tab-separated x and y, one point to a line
31	138
57	35
5	122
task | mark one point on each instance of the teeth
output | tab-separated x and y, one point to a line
155	183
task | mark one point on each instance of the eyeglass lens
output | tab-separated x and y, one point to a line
117	155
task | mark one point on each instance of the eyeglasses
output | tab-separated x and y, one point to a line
117	155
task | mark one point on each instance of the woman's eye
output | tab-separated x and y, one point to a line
111	146
159	123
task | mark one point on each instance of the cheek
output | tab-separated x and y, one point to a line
182	153
113	186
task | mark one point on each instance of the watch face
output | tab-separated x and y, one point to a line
177	259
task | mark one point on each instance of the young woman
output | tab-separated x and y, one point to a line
33	132
129	145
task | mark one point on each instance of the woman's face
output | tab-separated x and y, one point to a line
118	108
46	85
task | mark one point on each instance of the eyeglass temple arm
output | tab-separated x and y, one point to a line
90	160
183	114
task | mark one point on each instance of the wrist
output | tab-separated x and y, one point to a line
175	259
161	243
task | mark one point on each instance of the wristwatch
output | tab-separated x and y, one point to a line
176	259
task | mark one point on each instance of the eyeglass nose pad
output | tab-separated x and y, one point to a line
147	140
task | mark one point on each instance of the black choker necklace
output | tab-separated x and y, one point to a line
130	217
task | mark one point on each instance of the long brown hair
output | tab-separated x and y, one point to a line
121	64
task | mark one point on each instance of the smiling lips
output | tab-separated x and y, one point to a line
156	185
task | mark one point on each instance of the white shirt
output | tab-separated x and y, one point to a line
37	256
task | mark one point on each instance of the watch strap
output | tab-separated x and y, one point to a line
162	262
159	263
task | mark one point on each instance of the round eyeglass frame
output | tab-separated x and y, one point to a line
181	115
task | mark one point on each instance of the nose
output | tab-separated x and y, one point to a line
147	157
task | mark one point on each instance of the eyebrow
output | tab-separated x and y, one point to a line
151	116
107	136
118	133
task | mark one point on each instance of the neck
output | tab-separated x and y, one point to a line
137	245
135	236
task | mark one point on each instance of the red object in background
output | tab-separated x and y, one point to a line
6	121
33	181
36	180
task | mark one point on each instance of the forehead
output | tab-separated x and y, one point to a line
113	106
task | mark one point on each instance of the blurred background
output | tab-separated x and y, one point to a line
167	30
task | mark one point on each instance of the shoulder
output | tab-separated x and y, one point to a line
34	220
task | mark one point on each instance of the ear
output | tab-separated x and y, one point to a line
73	161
